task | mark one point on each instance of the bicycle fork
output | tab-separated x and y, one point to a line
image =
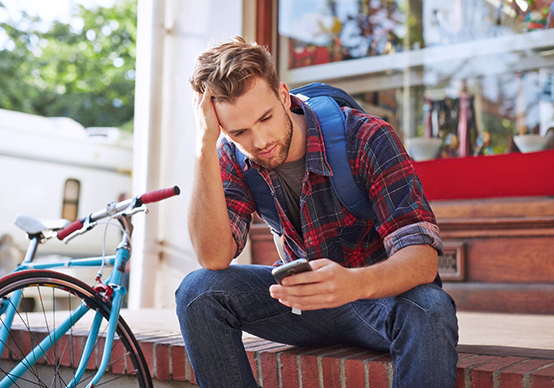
119	292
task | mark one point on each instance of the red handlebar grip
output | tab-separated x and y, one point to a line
158	195
76	225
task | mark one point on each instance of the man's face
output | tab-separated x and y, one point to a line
259	124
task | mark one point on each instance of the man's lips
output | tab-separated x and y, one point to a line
269	153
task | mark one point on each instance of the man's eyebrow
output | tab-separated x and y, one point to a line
264	115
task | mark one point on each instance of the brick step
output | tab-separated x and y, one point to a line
278	365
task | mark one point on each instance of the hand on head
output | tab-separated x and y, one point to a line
207	123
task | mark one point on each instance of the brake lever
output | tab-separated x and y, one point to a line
132	211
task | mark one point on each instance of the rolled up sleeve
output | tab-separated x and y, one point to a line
422	233
403	214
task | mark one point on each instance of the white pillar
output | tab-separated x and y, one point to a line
147	146
164	130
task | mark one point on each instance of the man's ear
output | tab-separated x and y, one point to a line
284	95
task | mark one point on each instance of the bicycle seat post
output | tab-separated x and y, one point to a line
32	248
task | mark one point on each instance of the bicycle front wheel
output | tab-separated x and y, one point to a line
47	299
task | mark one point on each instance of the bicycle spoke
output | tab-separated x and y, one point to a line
71	337
9	376
109	381
58	366
56	348
34	364
110	364
6	345
28	327
23	379
59	360
56	344
45	321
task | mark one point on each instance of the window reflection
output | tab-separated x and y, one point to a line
471	76
472	116
323	31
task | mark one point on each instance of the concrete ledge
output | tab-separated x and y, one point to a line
486	359
277	365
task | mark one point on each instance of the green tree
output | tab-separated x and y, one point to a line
84	69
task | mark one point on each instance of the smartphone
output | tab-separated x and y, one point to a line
289	269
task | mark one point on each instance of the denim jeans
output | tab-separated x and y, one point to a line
419	328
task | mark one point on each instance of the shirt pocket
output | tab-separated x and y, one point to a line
353	235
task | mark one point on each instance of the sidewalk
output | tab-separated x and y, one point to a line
476	329
496	351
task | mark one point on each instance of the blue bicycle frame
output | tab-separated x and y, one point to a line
10	305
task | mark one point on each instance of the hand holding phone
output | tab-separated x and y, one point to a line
290	269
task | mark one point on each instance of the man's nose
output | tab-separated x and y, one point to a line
260	140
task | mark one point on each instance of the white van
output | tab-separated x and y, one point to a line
55	168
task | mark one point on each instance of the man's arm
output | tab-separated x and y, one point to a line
404	221
332	285
208	220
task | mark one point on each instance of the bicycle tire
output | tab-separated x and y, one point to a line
56	367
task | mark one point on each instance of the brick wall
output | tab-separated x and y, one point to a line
276	365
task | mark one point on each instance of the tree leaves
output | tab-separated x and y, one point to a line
84	69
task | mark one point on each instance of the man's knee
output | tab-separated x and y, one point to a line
199	282
429	298
429	307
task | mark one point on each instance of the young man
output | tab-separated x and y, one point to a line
374	281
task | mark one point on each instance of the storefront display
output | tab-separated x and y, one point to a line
474	74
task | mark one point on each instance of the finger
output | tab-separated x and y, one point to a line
313	302
320	263
301	278
277	291
319	274
206	99
195	97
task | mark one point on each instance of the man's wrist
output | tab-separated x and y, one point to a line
206	144
363	282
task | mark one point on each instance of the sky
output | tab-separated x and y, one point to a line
47	10
51	9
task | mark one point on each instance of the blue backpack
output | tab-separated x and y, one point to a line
326	101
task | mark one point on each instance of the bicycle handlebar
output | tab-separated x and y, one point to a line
76	225
158	195
153	196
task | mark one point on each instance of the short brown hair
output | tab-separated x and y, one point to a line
228	70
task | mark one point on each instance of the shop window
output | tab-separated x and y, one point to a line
70	207
455	79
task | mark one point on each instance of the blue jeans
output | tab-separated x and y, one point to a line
419	328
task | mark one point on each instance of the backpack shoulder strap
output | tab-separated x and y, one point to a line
263	197
332	123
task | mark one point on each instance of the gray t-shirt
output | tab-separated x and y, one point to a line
291	175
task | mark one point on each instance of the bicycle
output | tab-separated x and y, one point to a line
55	352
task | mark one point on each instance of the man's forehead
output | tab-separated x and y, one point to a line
245	110
232	119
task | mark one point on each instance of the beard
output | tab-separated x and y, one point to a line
282	152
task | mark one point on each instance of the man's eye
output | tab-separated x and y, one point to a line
266	119
237	134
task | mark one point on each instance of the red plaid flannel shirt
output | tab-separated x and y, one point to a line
379	164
